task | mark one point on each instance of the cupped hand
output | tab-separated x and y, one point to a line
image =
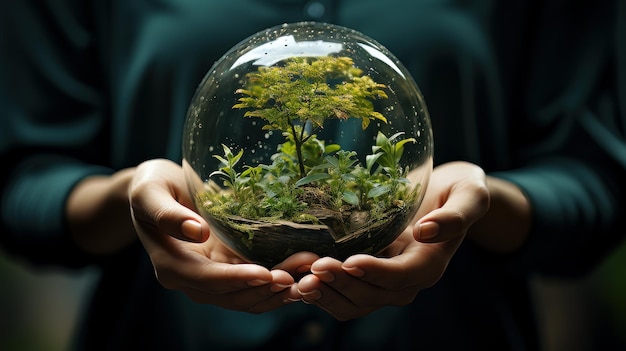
456	197
187	257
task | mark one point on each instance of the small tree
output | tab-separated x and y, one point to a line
305	173
309	91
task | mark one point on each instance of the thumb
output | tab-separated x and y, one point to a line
453	219
426	231
160	203
158	212
460	197
192	230
441	225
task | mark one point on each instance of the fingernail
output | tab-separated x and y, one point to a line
304	268
279	287
354	271
325	276
311	295
290	300
257	282
192	230
428	231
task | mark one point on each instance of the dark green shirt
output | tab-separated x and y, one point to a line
533	91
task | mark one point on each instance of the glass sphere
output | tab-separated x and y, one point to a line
307	137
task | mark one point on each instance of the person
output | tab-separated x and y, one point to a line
528	109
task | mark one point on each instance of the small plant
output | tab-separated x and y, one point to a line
309	181
308	92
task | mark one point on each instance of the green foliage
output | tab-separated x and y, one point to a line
308	92
299	96
232	179
276	190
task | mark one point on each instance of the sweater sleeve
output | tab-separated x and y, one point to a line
33	204
573	162
51	118
576	215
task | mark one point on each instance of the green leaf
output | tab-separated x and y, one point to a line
332	148
312	178
395	136
222	160
334	161
348	177
381	139
218	173
350	197
235	159
379	190
370	160
400	145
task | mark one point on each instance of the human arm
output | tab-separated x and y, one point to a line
151	201
187	257
50	112
67	194
556	206
506	225
457	196
568	148
363	284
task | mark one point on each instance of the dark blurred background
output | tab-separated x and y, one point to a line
39	308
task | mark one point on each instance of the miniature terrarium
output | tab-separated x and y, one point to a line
307	137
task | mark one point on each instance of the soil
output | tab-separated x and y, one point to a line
339	232
341	222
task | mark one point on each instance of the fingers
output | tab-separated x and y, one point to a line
458	197
315	292
419	266
209	273
253	296
345	295
298	264
364	283
233	285
159	202
199	264
192	230
243	287
195	271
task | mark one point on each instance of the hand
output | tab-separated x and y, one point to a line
187	257
456	197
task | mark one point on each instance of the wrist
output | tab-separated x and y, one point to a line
506	225
98	213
